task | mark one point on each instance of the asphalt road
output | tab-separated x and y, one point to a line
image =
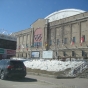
34	81
25	83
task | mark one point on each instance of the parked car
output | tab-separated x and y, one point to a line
12	68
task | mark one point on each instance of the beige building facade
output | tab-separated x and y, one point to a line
66	37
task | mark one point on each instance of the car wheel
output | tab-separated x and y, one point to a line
2	75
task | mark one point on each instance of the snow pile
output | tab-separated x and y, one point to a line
14	58
51	65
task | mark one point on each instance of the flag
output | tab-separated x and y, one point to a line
19	47
62	43
22	46
82	40
27	46
72	42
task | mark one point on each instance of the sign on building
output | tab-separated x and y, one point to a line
1	51
35	54
47	54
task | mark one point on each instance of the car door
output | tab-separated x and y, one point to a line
1	62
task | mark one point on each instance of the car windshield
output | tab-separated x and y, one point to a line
16	63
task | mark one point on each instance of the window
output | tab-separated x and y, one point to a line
58	41
83	38
40	43
65	40
84	53
74	40
64	53
73	53
16	63
7	44
37	44
50	42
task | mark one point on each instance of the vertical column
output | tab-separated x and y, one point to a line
45	37
70	25
56	52
23	42
31	40
26	41
32	36
17	46
62	32
79	28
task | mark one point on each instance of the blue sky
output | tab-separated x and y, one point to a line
17	15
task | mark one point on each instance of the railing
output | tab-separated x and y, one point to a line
80	68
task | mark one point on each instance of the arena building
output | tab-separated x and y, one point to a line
7	46
60	34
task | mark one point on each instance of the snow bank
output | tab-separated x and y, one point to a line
50	65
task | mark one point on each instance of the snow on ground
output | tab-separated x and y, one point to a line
51	65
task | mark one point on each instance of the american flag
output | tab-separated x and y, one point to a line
72	42
19	47
82	40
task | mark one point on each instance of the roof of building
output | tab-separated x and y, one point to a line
63	14
7	37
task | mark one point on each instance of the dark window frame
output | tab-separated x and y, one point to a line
73	53
74	39
58	42
65	40
64	53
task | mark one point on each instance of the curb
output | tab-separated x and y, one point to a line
40	74
52	76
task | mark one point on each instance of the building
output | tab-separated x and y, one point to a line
64	32
7	46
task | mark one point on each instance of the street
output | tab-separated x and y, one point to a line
25	83
34	81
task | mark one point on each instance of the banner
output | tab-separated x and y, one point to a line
11	52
